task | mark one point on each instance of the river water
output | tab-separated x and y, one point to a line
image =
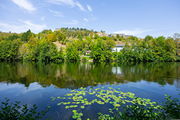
35	83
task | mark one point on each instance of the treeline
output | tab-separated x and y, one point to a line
149	49
75	44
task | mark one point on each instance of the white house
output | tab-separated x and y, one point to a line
118	48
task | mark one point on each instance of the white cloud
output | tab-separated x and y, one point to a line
25	4
89	8
85	19
56	13
22	27
72	3
80	6
132	32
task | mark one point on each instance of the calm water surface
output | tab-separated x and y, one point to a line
36	83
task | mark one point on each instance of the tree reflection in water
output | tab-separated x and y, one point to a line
75	75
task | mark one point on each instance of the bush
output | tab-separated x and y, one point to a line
15	111
101	50
172	107
26	36
43	51
85	59
72	53
149	50
8	50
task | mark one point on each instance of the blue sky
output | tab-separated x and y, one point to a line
132	17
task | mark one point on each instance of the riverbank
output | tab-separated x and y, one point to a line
85	45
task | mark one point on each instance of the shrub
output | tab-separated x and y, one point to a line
8	50
172	107
101	50
72	53
43	51
15	111
149	50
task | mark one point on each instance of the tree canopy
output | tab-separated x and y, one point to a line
75	44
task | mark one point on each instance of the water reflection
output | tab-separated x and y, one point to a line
83	75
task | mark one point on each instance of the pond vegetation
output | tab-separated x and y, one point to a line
124	106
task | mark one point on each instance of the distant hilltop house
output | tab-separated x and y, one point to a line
178	47
101	34
57	29
118	47
59	45
121	35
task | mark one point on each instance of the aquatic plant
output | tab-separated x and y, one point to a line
77	100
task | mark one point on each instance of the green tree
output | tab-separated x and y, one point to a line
26	36
148	50
43	51
8	50
72	53
59	36
13	37
148	38
101	50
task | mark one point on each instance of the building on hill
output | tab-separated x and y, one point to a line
118	47
101	34
59	46
121	35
